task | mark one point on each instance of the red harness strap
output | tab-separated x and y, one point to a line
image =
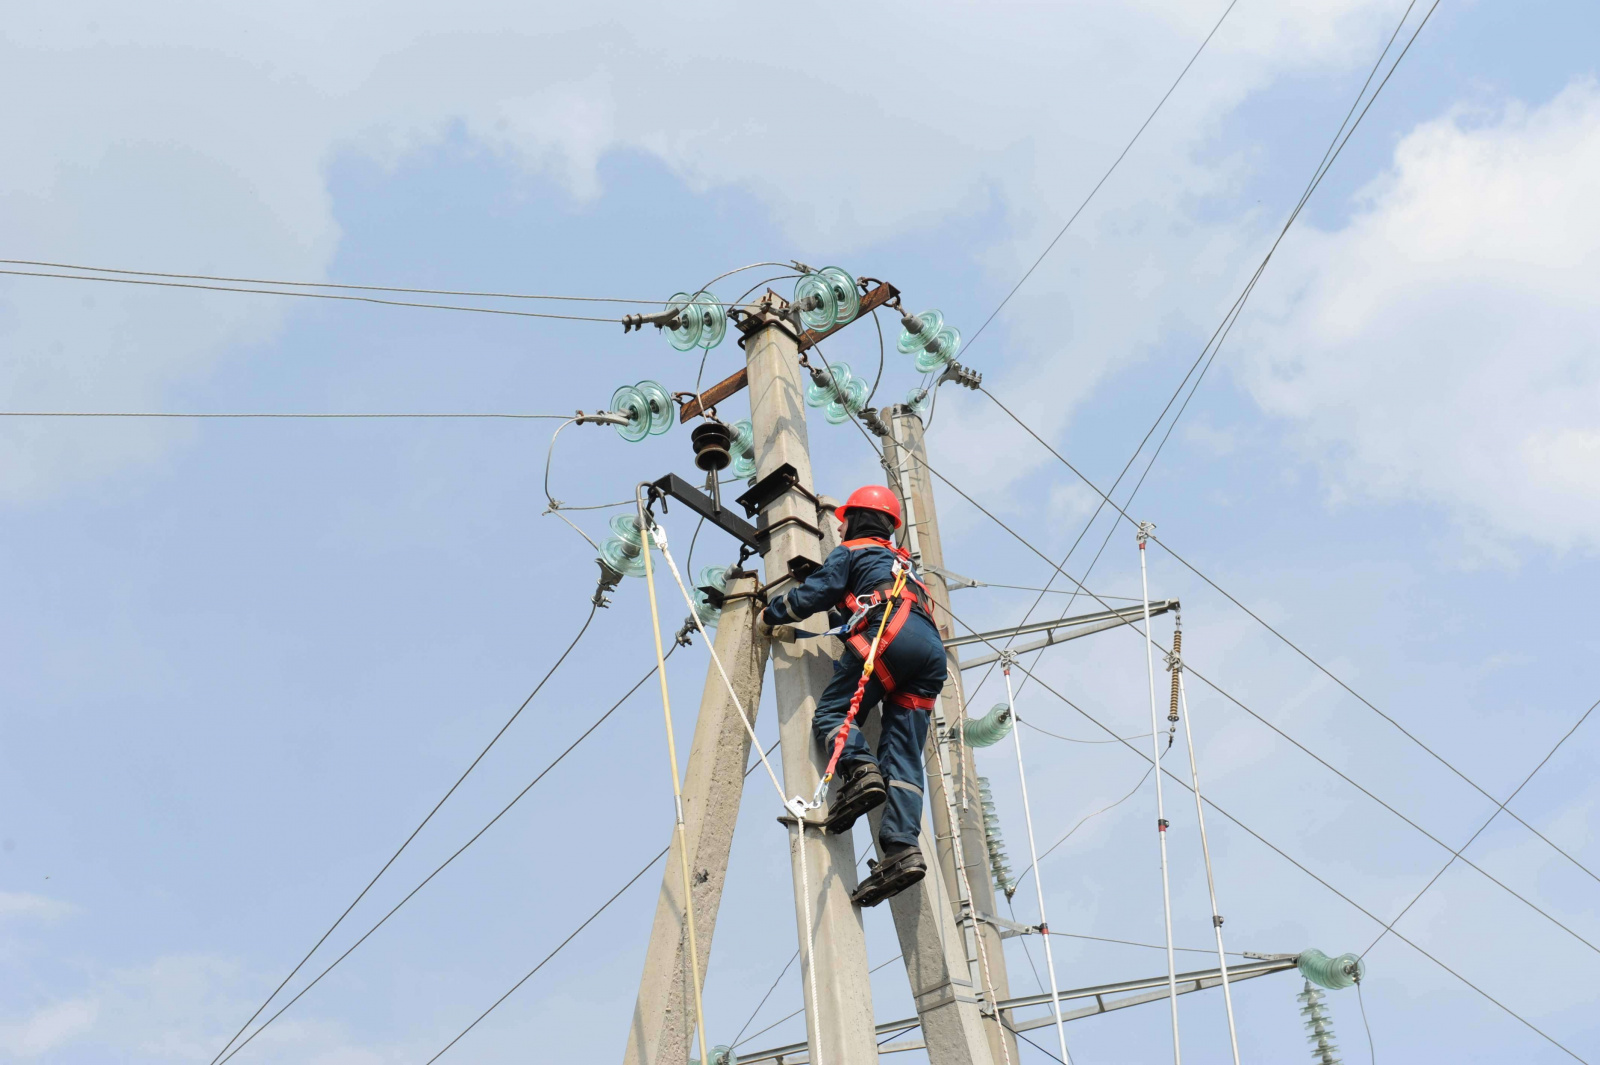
863	646
912	702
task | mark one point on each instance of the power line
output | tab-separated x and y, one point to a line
1209	801
545	960
1287	642
309	295
1486	824
1231	698
1115	163
271	414
457	853
326	284
1331	153
363	893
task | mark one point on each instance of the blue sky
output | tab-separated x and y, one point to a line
242	659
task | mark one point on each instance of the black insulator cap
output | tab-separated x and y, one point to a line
711	441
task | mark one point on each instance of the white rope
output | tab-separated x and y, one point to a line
646	532
738	705
1033	858
1205	849
796	806
1161	813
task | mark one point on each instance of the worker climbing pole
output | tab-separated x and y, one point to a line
868	584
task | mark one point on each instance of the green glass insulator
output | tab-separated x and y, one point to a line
632	402
744	437
1331	973
825	313
713	319
839	377
686	337
989	729
846	297
920	400
943	350
856	394
744	466
719	1055
662	412
909	342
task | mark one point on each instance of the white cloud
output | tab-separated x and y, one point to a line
195	138
49	1028
1444	346
24	905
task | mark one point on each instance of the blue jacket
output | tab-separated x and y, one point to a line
858	570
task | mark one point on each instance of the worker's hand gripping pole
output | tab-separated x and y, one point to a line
861	686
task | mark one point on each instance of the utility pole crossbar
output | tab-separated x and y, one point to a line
1135	992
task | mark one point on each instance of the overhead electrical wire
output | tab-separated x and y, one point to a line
310	295
1211	802
546	959
1103	178
1271	725
327	284
407	842
1329	155
453	856
271	414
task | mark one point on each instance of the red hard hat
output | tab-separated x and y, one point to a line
871	497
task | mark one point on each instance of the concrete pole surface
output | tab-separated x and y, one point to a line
663	1016
934	952
839	1029
904	455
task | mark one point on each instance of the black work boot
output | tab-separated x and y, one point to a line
901	867
860	789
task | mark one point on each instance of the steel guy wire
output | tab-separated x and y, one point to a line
543	961
1231	698
1161	813
1104	177
452	790
1038	879
755	1012
1030	1042
456	854
310	295
1335	146
272	414
327	284
1135	943
1205	844
1298	865
1500	806
1485	825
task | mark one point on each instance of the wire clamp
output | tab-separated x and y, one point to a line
1145	529
1161	824
1216	920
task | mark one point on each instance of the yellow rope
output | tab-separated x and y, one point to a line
645	537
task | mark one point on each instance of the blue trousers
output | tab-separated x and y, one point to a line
916	660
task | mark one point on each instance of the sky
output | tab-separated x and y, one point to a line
240	660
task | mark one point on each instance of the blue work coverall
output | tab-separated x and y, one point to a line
915	658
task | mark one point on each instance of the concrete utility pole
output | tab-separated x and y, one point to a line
834	983
972	893
663	1016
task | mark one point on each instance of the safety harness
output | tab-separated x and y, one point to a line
909	593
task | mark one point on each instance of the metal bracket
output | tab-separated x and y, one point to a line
1008	929
771	487
703	505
